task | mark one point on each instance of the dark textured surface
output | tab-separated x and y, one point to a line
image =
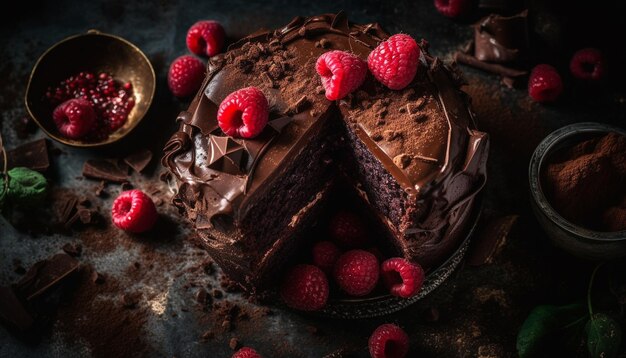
480	308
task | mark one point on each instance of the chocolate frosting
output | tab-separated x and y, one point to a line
440	158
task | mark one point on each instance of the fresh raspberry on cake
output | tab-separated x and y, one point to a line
588	64
389	341
305	288
325	254
403	278
545	84
453	8
341	73
134	211
206	37
185	76
243	113
246	352
348	230
356	272
394	62
74	118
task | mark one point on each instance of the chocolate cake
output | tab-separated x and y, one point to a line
413	156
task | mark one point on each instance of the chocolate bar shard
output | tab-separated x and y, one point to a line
490	240
105	169
33	155
46	275
12	312
139	160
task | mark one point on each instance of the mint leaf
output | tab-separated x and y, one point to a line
542	323
604	336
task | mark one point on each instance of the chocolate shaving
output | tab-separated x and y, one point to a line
489	67
139	160
105	169
425	159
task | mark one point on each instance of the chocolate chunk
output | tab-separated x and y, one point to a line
46	275
73	249
105	169
218	293
390	135
490	240
97	277
33	155
233	343
99	191
208	335
130	300
301	104
202	297
500	39
139	160
226	325
13	312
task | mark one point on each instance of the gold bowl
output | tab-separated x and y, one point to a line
96	52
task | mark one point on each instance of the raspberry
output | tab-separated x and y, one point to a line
246	352
325	254
134	211
357	272
243	113
545	84
305	288
389	341
206	37
588	64
185	76
403	278
453	8
74	118
341	73
394	62
348	230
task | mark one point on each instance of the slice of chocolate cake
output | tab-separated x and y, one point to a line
413	155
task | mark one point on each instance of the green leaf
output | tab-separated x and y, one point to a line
604	336
542	323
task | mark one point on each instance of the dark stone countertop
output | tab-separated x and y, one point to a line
480	308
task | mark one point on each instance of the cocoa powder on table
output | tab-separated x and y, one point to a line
586	183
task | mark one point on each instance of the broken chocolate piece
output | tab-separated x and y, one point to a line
12	312
490	240
33	155
105	169
45	275
73	249
97	277
489	67
500	39
139	160
233	343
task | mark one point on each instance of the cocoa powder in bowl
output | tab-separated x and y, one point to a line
586	182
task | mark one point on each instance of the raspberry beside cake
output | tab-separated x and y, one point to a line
413	155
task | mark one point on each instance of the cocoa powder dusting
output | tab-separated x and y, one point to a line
585	183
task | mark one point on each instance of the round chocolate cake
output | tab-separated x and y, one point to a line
413	156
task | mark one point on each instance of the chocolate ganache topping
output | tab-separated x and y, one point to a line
231	170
